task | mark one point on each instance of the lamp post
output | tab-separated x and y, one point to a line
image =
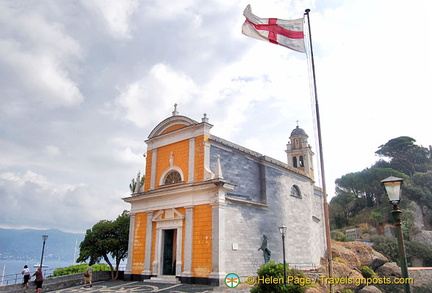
282	230
44	238
393	189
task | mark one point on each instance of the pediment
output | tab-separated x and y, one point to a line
171	124
167	215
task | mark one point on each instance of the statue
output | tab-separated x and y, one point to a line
264	248
136	185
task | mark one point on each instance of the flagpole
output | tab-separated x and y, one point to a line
321	156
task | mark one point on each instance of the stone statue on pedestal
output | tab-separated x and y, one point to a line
264	248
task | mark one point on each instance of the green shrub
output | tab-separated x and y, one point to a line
339	259
367	272
338	236
274	272
75	269
377	217
387	246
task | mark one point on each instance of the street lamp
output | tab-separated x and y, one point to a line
393	189
44	238
282	230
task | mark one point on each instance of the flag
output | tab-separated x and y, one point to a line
287	33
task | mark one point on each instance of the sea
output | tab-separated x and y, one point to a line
10	270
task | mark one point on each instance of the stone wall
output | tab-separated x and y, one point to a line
57	283
259	204
239	169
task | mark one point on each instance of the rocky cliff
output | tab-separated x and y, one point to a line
358	267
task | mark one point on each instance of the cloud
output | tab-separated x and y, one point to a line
117	15
83	83
40	56
52	151
36	202
127	150
160	89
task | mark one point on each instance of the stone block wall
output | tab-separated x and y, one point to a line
249	217
239	170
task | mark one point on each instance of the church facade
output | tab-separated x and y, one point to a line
206	204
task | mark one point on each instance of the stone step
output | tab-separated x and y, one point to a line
163	279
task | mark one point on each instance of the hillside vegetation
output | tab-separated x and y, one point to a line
361	202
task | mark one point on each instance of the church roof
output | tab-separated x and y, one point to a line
298	131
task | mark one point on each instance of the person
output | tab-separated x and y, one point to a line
26	273
88	276
39	279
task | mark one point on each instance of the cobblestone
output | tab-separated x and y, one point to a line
126	287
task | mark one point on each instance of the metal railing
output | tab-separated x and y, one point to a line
18	278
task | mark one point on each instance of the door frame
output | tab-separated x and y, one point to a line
175	222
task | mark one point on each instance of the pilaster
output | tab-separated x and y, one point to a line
130	243
191	167
188	242
218	239
148	247
153	170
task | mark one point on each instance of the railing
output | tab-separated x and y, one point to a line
18	278
56	283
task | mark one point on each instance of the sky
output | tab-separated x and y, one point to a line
83	83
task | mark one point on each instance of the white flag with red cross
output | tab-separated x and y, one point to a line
287	33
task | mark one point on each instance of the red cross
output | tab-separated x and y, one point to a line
274	30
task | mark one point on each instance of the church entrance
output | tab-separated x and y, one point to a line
169	252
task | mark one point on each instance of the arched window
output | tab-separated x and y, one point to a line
172	177
294	162
301	162
295	191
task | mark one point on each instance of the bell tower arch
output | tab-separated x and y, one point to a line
299	152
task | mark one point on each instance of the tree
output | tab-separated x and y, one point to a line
365	184
342	207
405	156
106	239
121	230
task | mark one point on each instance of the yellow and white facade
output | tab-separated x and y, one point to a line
190	221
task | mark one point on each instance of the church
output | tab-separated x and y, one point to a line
206	204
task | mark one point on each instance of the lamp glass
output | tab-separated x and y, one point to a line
392	186
282	229
44	237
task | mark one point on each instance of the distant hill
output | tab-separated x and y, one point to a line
26	244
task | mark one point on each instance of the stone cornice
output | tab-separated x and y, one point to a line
262	158
181	188
246	202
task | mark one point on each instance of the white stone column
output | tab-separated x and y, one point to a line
191	167
178	244
156	264
148	246
187	269
218	237
130	243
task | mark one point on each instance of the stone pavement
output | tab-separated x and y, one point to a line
126	287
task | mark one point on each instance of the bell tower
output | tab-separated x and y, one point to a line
299	152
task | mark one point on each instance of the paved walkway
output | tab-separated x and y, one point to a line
126	287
